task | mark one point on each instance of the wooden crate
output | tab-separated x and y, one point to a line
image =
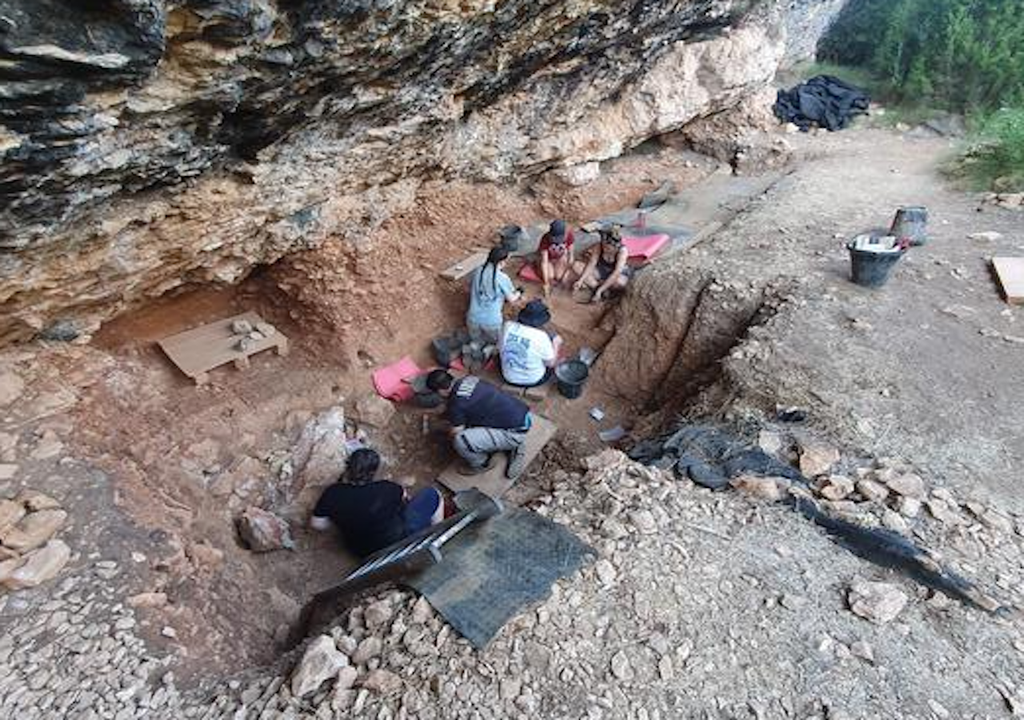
204	348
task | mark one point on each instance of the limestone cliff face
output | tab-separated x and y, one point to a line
147	144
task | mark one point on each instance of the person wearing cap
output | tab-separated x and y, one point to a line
528	353
556	255
605	267
483	421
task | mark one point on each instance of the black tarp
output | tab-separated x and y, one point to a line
824	101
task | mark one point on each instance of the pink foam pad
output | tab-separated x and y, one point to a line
644	248
529	273
391	381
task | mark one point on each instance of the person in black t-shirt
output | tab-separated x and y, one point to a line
371	514
484	421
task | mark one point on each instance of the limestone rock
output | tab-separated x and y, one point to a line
878	602
766	488
985	236
871	490
909	506
895	522
620	666
368	649
907	485
643	521
10	513
838	487
34	529
378	614
11	387
39	566
319	455
241	327
34	501
382	682
263	531
817	458
321	662
373	410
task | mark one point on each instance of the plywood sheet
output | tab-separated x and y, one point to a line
206	347
1010	271
465	266
493	482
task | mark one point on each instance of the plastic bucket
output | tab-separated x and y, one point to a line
570	377
871	269
911	223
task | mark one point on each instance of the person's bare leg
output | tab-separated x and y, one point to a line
438	515
546	272
562	272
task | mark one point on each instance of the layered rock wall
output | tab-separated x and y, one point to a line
148	144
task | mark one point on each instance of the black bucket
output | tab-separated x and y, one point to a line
570	377
911	224
871	269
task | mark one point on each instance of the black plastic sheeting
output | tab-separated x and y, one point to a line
494	569
823	101
710	456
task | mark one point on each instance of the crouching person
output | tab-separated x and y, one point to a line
371	514
484	421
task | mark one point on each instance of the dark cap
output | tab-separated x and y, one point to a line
557	230
535	314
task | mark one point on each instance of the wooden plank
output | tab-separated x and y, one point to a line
204	348
493	482
1010	271
465	266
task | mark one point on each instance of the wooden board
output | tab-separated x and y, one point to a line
465	266
206	347
493	482
1010	271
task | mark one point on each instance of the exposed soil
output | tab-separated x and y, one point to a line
758	314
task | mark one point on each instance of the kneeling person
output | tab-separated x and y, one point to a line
528	353
484	421
371	514
606	267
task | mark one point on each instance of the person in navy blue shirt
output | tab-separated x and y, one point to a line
371	514
484	421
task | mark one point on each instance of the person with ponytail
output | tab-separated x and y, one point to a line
489	289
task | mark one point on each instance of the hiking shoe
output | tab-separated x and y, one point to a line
470	471
516	462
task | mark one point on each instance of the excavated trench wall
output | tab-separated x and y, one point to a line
148	145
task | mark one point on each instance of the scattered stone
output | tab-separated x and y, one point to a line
49	446
873	491
148	600
838	487
878	602
8	471
987	236
373	410
11	387
319	663
265	329
605	571
770	442
241	327
368	649
997	521
378	614
666	670
766	488
10	513
944	512
509	688
910	507
643	521
168	632
35	501
421	611
863	650
941	712
39	566
382	682
792	602
620	666
346	678
907	485
263	531
895	522
817	458
34	529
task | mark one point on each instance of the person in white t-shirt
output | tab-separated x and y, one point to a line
528	353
